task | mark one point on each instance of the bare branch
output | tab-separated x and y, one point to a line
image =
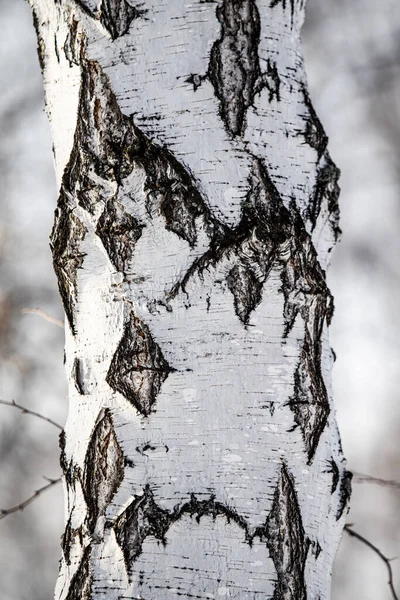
385	559
8	511
362	478
26	411
43	314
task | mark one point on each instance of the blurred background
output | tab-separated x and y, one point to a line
352	53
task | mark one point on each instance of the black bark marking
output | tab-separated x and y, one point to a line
268	235
172	190
326	187
272	81
316	549
246	290
334	469
284	2
104	470
119	232
345	493
310	403
314	132
117	15
41	46
72	45
234	64
286	540
65	241
69	538
138	368
81	583
143	517
79	377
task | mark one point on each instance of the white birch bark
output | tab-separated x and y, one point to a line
197	209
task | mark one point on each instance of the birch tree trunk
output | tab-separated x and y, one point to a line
196	214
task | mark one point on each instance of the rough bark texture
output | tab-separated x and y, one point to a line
196	215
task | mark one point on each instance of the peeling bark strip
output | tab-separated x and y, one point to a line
209	210
138	368
104	470
286	541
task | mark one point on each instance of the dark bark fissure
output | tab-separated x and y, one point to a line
138	368
286	541
119	232
66	237
310	403
345	493
104	470
116	16
282	532
234	67
334	469
81	582
284	3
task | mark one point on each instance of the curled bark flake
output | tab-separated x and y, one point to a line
119	232
104	469
81	583
344	493
138	368
234	64
65	242
286	540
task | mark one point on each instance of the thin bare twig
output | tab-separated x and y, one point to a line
42	313
362	478
19	507
26	411
385	559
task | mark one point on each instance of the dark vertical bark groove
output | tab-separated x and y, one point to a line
286	540
104	470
